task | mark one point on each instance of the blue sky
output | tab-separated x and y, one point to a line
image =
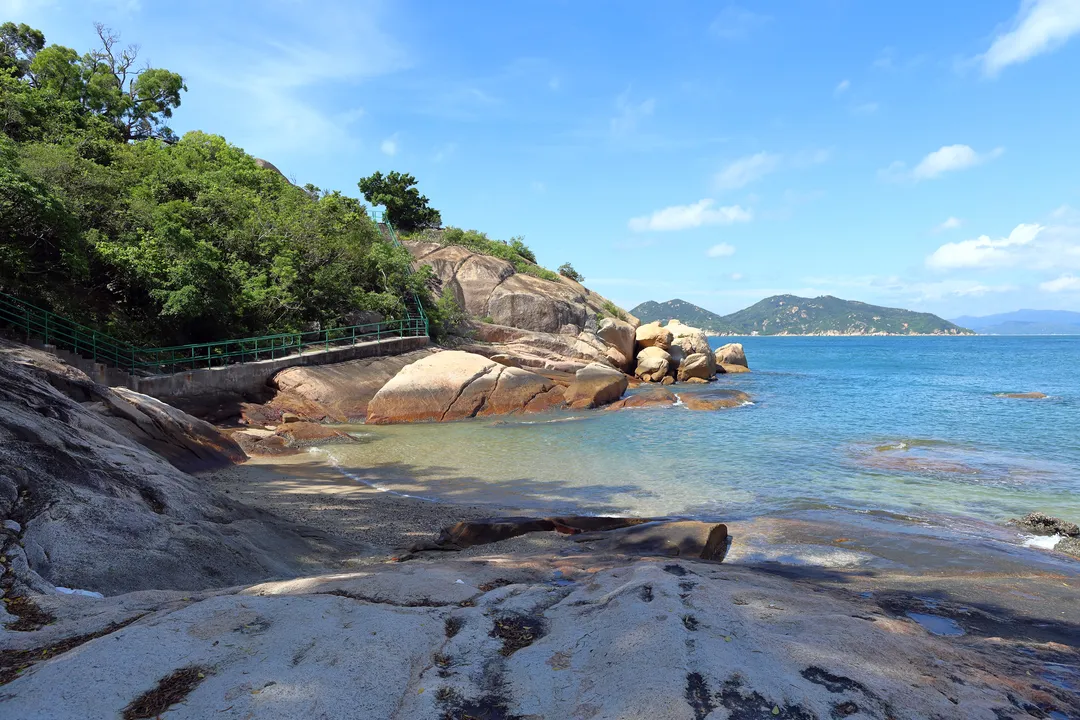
916	154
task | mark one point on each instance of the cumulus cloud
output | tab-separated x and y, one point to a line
683	217
746	170
983	251
1065	283
629	114
1039	27
389	146
948	158
721	250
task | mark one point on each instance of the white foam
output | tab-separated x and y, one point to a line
1043	542
678	401
84	593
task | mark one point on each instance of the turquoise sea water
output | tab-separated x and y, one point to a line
896	424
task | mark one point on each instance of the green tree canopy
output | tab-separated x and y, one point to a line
406	208
567	271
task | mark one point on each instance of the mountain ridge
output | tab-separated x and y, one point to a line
1024	322
794	315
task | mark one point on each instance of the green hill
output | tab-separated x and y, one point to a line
792	315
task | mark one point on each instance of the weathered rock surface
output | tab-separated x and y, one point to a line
454	385
339	392
652	335
691	339
649	396
595	385
698	366
535	350
485	286
1046	525
653	364
731	354
620	339
1024	395
588	637
714	399
100	511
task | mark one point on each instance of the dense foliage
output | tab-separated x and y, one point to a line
791	315
567	271
406	208
107	217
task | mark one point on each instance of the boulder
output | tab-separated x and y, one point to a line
306	434
595	385
652	335
733	369
1044	524
1024	395
649	396
619	336
653	364
537	351
731	354
685	538
690	339
698	366
339	392
714	399
454	385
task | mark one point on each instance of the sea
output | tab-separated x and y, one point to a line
913	427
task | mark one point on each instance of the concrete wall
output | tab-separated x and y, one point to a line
252	377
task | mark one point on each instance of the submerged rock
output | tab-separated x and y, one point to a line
650	396
595	385
1044	524
714	399
1024	395
454	385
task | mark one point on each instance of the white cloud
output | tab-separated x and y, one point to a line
746	170
721	250
389	146
1065	283
950	224
629	114
1040	26
736	276
982	251
736	22
948	158
682	217
842	87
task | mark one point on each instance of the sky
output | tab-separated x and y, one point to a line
916	153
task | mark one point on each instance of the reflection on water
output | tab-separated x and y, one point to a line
906	425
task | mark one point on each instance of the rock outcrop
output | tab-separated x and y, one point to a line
101	511
536	350
620	339
714	399
652	335
595	385
337	393
731	354
455	385
653	364
690	339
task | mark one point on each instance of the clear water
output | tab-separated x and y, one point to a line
912	426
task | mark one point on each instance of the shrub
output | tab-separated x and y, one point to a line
567	271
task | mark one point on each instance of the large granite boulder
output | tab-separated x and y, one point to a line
454	385
486	286
537	350
697	365
339	392
731	354
691	339
653	363
620	339
652	335
595	385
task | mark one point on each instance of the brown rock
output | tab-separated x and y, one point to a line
595	385
700	366
303	434
731	354
714	399
734	369
648	396
667	380
684	538
545	401
620	338
652	335
691	339
1024	395
653	363
454	385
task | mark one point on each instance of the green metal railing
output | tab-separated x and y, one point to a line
53	329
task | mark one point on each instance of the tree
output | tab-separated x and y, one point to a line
567	271
406	208
18	45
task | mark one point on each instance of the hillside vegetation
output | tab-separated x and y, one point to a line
108	217
792	315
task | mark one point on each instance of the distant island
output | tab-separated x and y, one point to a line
1024	322
793	315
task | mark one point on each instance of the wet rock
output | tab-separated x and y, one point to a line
595	385
1044	524
684	538
731	354
729	368
1069	545
648	396
714	399
1024	395
304	434
454	385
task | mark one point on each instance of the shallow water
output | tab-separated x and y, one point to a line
903	425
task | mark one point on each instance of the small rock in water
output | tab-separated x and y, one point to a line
1046	525
1024	395
1069	545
